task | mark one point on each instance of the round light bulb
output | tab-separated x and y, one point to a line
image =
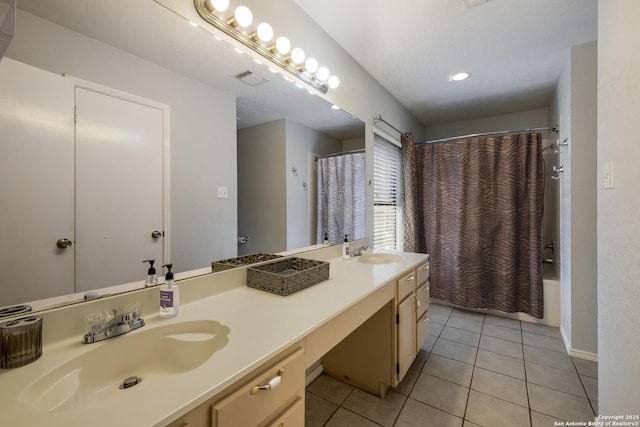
265	32
322	74
311	65
283	45
243	16
219	5
297	55
333	82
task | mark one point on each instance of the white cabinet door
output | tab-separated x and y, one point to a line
36	183
119	189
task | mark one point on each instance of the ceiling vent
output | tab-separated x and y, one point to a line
251	78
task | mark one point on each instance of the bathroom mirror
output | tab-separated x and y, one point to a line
123	44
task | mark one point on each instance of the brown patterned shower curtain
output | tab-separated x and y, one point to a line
475	206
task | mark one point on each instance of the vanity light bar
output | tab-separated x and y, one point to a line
204	10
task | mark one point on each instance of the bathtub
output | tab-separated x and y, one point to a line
551	302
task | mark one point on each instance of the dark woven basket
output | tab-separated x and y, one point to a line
241	261
287	276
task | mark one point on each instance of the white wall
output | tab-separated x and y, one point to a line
202	227
618	220
575	108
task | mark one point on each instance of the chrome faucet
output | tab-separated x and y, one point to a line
120	324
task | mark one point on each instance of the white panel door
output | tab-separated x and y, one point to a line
36	183
119	189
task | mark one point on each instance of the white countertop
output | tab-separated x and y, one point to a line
261	325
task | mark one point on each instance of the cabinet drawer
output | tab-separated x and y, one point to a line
422	330
423	273
406	285
422	293
249	406
292	417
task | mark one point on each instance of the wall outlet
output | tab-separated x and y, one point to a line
223	193
609	175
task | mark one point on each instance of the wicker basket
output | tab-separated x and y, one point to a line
287	276
241	261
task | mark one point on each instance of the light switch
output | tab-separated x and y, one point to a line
223	193
609	176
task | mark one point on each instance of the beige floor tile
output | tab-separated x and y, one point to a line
466	324
429	343
382	411
497	345
416	413
330	389
554	378
438	318
453	350
441	394
586	367
505	322
560	405
344	418
536	328
500	363
591	386
543	341
500	386
317	410
501	332
461	336
468	423
469	315
440	309
421	357
542	420
434	328
555	359
449	369
407	382
490	411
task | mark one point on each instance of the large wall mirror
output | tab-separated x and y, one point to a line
217	125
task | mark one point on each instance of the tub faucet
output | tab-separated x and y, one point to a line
120	324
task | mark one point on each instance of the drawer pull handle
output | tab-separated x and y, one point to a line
273	383
426	319
410	279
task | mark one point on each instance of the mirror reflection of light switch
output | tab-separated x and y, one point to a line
223	193
609	175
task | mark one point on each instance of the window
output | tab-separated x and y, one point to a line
387	231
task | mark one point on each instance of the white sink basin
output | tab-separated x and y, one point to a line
95	377
379	258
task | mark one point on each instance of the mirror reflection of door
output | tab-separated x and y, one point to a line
36	183
119	204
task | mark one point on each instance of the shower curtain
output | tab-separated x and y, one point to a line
478	206
341	197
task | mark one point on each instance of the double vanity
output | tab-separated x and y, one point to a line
234	355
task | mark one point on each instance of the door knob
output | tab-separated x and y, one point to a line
156	234
64	243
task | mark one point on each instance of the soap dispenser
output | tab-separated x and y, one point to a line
152	279
169	296
345	248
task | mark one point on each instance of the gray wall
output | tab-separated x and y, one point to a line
618	220
575	108
202	227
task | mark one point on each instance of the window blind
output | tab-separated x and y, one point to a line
386	194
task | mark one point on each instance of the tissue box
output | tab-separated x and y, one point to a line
287	276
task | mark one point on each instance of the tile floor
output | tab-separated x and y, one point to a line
474	370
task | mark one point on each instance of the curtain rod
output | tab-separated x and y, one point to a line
342	153
501	132
378	118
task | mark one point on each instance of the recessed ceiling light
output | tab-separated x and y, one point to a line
459	77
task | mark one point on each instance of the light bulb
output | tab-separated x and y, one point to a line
311	65
322	74
265	32
219	5
243	16
334	82
459	77
283	45
297	56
